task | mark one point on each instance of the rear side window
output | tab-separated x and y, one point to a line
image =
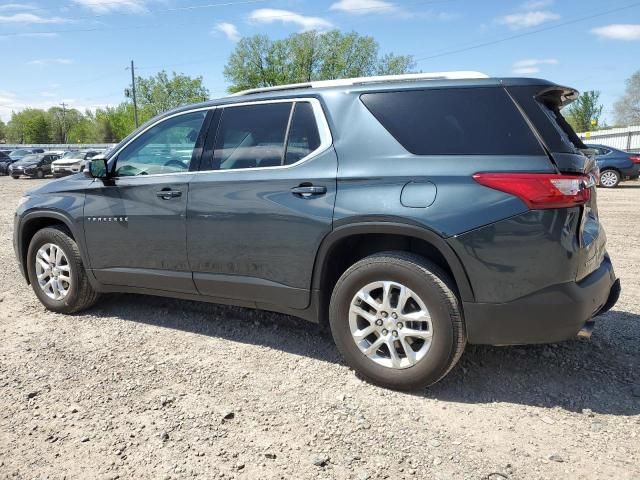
304	137
454	121
252	136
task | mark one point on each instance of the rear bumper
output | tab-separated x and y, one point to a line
550	315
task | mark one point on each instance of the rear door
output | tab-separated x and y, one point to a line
262	202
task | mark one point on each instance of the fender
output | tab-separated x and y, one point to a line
394	227
75	229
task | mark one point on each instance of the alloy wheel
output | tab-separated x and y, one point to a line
53	271
390	324
608	178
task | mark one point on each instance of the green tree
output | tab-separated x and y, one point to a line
627	108
160	93
258	61
61	122
3	131
585	112
28	126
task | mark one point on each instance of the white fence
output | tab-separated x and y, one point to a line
625	138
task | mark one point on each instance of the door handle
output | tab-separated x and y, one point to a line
306	191
168	194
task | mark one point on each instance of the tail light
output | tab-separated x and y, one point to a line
540	190
635	159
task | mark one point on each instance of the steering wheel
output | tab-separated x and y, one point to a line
175	163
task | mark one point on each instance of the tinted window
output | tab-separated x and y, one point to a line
165	148
251	136
455	121
303	133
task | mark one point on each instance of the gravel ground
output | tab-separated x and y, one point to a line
146	387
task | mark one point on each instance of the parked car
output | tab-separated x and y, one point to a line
72	162
5	161
23	152
390	209
36	165
615	165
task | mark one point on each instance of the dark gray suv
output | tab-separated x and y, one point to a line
411	214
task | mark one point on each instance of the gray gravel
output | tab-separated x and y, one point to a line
146	387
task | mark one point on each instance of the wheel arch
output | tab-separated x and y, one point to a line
350	238
33	221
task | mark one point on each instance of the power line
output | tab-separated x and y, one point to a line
524	34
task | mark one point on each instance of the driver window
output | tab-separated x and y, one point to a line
164	148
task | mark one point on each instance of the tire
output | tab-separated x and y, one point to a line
14	177
39	174
609	178
426	282
79	292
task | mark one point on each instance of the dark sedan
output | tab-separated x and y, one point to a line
615	165
35	165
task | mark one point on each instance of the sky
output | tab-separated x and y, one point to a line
78	51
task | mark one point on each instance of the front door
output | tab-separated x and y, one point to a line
135	222
262	203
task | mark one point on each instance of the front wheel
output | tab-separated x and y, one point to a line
396	320
56	272
609	179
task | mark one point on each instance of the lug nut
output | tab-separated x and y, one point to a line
384	314
379	322
394	315
385	331
395	333
400	325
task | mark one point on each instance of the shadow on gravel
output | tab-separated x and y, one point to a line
601	374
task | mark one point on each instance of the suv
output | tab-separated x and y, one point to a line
411	214
71	162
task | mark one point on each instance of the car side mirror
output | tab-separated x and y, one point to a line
97	168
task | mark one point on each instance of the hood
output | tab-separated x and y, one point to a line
65	184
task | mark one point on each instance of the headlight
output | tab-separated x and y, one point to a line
22	201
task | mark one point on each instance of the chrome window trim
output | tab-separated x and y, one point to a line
326	140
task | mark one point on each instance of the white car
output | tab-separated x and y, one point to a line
72	162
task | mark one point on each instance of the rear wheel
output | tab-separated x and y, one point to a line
56	272
396	320
609	178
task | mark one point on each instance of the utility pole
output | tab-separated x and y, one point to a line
133	91
64	122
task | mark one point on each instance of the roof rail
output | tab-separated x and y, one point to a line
346	82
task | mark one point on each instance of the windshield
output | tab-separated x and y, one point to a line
18	153
29	159
72	156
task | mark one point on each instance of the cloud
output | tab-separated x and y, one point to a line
106	6
50	61
532	65
619	31
363	7
30	18
229	30
38	35
271	15
517	21
536	4
16	6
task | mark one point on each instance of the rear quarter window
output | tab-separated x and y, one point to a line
454	121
